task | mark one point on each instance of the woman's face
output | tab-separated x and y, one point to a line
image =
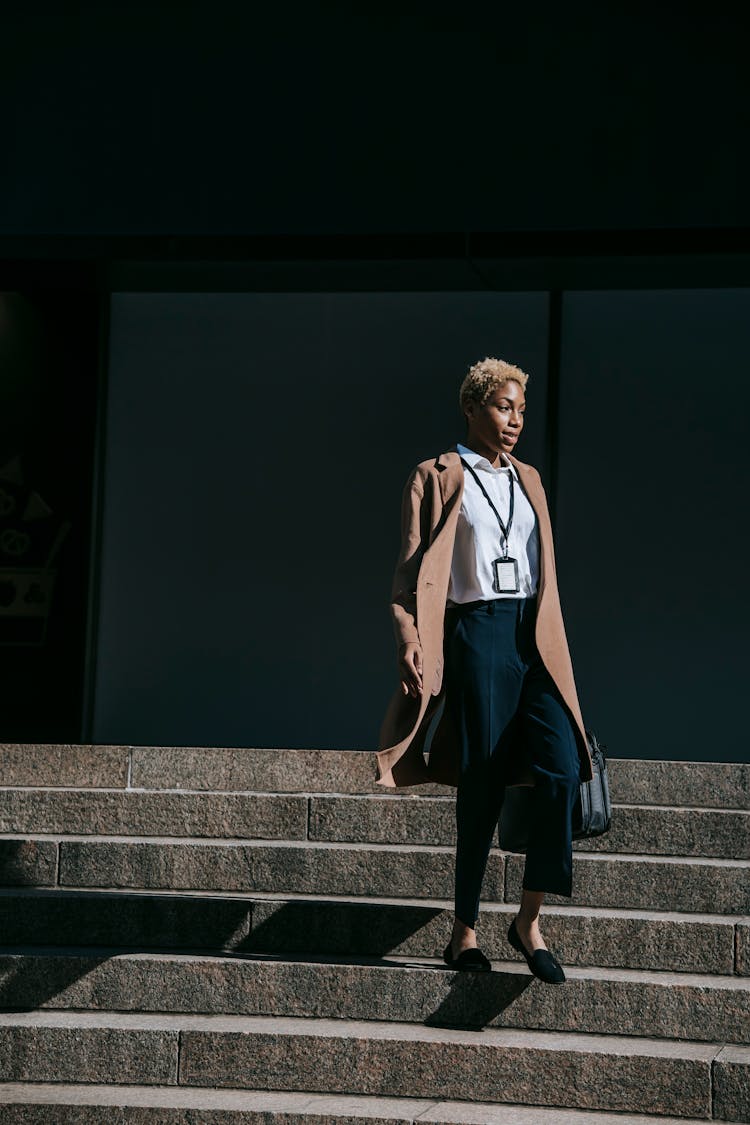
499	421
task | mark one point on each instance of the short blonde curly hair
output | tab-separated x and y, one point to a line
485	376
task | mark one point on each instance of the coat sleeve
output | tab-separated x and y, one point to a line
414	538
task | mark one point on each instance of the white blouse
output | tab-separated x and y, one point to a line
479	538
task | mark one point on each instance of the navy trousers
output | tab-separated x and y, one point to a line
498	688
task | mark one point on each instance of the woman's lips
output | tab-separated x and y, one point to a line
510	437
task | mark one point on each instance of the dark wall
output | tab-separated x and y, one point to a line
226	118
652	530
256	450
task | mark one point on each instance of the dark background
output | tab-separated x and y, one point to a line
227	238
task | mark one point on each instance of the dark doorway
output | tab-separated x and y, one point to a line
49	349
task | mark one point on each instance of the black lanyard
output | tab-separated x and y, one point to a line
506	531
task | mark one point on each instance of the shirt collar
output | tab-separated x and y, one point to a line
476	460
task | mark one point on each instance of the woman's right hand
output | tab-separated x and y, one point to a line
410	668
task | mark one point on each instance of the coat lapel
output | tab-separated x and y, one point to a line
450	473
532	485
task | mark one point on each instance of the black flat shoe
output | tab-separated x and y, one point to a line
469	959
542	963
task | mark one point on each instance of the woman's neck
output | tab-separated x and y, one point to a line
494	456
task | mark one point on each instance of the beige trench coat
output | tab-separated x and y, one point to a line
430	507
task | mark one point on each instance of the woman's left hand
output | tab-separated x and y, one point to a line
410	667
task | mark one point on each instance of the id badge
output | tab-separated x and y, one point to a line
506	576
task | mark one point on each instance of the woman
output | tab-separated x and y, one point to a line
478	625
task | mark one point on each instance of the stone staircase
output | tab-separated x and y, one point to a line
216	936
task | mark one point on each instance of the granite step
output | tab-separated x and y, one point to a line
371	927
138	812
639	829
633	781
640	882
65	1104
581	935
572	1071
723	785
708	1008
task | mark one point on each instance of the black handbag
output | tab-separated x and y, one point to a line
592	812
